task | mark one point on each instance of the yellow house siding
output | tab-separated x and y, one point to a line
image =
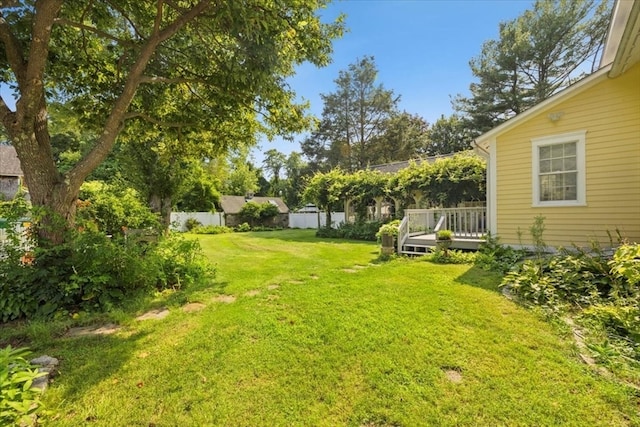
609	112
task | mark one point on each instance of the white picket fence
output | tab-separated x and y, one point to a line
310	219
296	220
179	219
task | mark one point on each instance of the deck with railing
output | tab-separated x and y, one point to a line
417	231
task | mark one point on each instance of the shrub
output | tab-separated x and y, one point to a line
18	400
212	229
109	208
180	263
390	228
444	235
451	257
493	256
93	272
253	212
192	223
244	227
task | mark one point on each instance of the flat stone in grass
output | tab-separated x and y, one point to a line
252	293
84	331
48	365
454	376
453	373
159	313
273	287
349	270
227	299
193	307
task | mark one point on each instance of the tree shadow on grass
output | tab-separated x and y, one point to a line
88	360
479	278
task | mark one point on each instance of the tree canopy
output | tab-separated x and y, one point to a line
537	54
178	66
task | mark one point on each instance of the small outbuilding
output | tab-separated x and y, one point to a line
10	172
232	205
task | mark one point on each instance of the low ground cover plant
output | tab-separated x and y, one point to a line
601	291
19	401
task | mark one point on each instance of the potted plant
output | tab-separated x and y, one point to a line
444	239
387	234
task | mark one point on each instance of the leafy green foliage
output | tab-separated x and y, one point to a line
493	256
181	74
362	230
444	235
18	400
92	272
109	207
258	213
390	229
451	256
591	284
211	229
243	228
353	120
192	223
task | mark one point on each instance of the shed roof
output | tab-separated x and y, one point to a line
233	204
9	162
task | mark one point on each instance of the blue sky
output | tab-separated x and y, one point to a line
422	50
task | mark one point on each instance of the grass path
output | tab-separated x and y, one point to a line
317	335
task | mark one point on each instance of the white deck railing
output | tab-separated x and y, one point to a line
468	223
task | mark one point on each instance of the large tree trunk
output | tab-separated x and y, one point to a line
161	205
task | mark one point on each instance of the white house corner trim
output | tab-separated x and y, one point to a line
492	196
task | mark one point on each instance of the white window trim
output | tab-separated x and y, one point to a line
577	137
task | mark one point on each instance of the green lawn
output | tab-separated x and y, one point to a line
321	335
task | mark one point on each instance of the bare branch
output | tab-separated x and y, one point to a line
32	87
158	21
13	50
94	30
6	115
117	8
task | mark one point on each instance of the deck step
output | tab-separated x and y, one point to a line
415	249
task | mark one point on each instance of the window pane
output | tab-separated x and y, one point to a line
545	152
570	164
557	151
570	149
571	179
545	166
557	165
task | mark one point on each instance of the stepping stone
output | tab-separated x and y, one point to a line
227	299
273	287
159	313
193	307
453	376
84	331
252	293
349	270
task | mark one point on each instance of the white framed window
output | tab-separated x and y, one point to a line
559	170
